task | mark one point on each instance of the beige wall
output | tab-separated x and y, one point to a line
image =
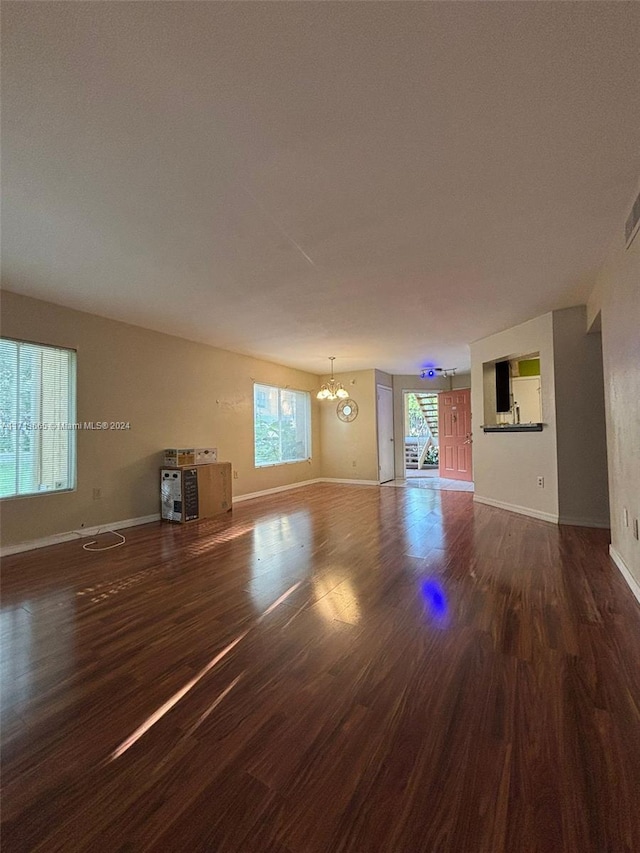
574	439
617	297
173	392
506	465
350	450
583	495
357	442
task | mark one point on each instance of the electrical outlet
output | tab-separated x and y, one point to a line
353	464
541	482
625	515
635	528
97	494
235	475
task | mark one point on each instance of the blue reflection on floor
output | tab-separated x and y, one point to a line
435	600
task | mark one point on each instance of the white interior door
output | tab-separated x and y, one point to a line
386	467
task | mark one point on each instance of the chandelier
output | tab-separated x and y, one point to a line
332	390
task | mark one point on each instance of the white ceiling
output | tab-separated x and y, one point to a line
382	182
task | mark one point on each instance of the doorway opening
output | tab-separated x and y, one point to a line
421	445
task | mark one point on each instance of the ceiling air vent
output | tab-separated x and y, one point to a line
633	221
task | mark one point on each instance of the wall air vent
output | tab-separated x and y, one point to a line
633	223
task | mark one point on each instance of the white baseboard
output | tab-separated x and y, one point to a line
57	538
521	510
634	586
250	495
349	482
585	522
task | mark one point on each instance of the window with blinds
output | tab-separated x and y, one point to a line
37	418
282	425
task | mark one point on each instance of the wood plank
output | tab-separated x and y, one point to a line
328	669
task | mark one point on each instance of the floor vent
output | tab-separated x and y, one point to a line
633	222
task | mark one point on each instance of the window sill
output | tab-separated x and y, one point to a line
279	464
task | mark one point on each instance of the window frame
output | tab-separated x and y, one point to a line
309	439
72	472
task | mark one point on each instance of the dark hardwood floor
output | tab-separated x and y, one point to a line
329	669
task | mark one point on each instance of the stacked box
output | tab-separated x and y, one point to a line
176	457
204	455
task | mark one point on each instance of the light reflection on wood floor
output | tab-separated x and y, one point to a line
333	668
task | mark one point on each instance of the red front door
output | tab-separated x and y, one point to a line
454	428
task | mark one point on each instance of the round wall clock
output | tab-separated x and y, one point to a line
347	410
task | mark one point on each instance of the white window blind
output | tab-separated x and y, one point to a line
282	425
37	415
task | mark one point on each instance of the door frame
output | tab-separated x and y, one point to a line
392	437
436	392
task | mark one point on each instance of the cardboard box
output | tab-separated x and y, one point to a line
194	492
214	487
179	494
177	457
205	455
174	458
